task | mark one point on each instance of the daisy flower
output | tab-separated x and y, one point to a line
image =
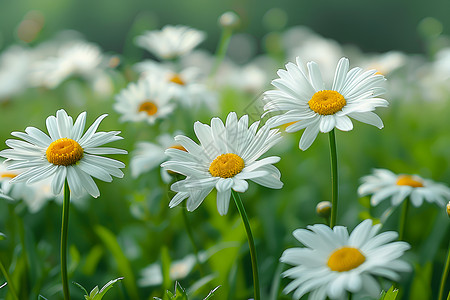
383	184
148	156
225	159
14	69
187	84
171	41
334	262
147	100
66	154
303	97
34	195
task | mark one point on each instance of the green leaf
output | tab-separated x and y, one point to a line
95	294
421	286
391	294
212	293
123	265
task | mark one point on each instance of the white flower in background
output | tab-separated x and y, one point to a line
225	159
383	184
187	84
171	41
147	100
304	98
14	71
66	154
73	58
148	156
333	262
35	195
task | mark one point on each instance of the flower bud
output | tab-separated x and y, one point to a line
323	209
229	19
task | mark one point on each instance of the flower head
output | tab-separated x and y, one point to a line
171	41
303	97
383	184
147	100
66	154
334	262
225	159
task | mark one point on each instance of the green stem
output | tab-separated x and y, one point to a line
334	178
191	238
403	219
444	276
8	279
64	230
251	243
221	50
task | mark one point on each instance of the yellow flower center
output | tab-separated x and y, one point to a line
177	79
7	175
327	102
226	165
345	259
179	147
448	208
408	180
64	152
149	107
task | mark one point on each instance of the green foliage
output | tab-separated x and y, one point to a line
2	236
391	294
180	294
97	294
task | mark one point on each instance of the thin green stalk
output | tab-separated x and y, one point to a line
251	243
444	276
221	50
187	224
9	281
403	219
334	178
64	230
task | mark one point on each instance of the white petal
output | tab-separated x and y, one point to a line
309	135
223	201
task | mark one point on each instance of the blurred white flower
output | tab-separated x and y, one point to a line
225	159
72	58
14	71
147	100
384	63
188	84
148	156
35	195
171	41
303	97
333	262
383	184
67	154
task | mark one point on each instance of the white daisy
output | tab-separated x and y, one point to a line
66	154
34	195
303	97
14	70
188	84
334	262
171	41
74	58
147	100
225	159
383	184
148	156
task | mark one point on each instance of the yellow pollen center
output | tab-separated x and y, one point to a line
64	152
8	175
408	180
345	259
149	107
448	208
177	79
179	147
226	165
327	102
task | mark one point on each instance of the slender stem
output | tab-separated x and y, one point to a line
403	219
444	276
64	230
334	178
221	50
9	281
251	243
187	224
